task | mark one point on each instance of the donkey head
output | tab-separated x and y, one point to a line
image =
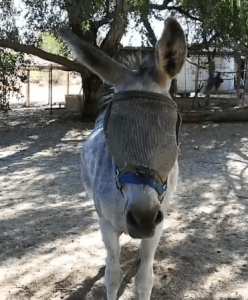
144	210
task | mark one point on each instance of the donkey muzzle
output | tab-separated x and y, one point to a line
142	223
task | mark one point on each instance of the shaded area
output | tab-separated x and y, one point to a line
51	247
203	251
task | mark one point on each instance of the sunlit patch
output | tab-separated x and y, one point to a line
214	186
237	167
15	123
207	209
177	237
73	135
222	273
244	140
207	223
13	149
22	207
211	145
234	209
50	261
83	194
209	195
237	158
33	137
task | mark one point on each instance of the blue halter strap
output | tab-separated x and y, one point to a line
133	178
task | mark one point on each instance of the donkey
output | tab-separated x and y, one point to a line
129	162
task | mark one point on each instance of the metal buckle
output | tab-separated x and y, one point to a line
161	196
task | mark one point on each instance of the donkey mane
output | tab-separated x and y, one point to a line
136	62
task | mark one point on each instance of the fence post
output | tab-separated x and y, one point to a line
51	89
27	103
49	79
237	62
68	83
195	103
246	80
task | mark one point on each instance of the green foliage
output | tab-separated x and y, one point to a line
10	76
138	5
229	18
52	44
38	77
85	25
96	5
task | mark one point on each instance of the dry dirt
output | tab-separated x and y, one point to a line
50	245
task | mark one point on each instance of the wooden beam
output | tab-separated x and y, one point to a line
235	115
45	68
190	52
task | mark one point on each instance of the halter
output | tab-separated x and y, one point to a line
133	178
131	98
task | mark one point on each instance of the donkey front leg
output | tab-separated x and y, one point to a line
113	273
144	277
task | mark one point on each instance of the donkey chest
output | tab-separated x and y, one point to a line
98	174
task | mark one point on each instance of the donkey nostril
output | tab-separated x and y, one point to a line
130	219
159	217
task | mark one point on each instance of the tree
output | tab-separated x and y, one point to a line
223	21
10	76
52	44
22	26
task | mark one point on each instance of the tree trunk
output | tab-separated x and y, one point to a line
91	88
69	64
92	85
210	80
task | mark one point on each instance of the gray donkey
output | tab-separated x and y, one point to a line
129	162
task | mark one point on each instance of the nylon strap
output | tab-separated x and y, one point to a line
137	179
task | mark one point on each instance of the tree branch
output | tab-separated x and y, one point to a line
205	44
71	65
246	46
151	36
101	22
177	8
79	10
116	31
183	12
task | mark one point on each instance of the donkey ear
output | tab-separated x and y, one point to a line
97	61
171	50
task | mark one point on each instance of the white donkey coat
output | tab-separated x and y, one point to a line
128	210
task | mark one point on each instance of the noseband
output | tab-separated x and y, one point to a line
135	178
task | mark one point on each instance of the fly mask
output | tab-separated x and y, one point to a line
141	132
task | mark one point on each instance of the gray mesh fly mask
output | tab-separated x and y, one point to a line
141	133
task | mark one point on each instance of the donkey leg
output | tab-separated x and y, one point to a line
113	273
144	277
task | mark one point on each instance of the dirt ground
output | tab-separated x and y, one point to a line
50	245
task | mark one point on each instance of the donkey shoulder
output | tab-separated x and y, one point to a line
98	174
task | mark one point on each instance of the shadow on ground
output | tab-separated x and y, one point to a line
51	245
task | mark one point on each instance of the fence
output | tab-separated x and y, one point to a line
208	78
215	78
52	80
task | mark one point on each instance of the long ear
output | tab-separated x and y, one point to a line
97	61
171	50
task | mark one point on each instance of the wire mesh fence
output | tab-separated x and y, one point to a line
207	78
214	76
